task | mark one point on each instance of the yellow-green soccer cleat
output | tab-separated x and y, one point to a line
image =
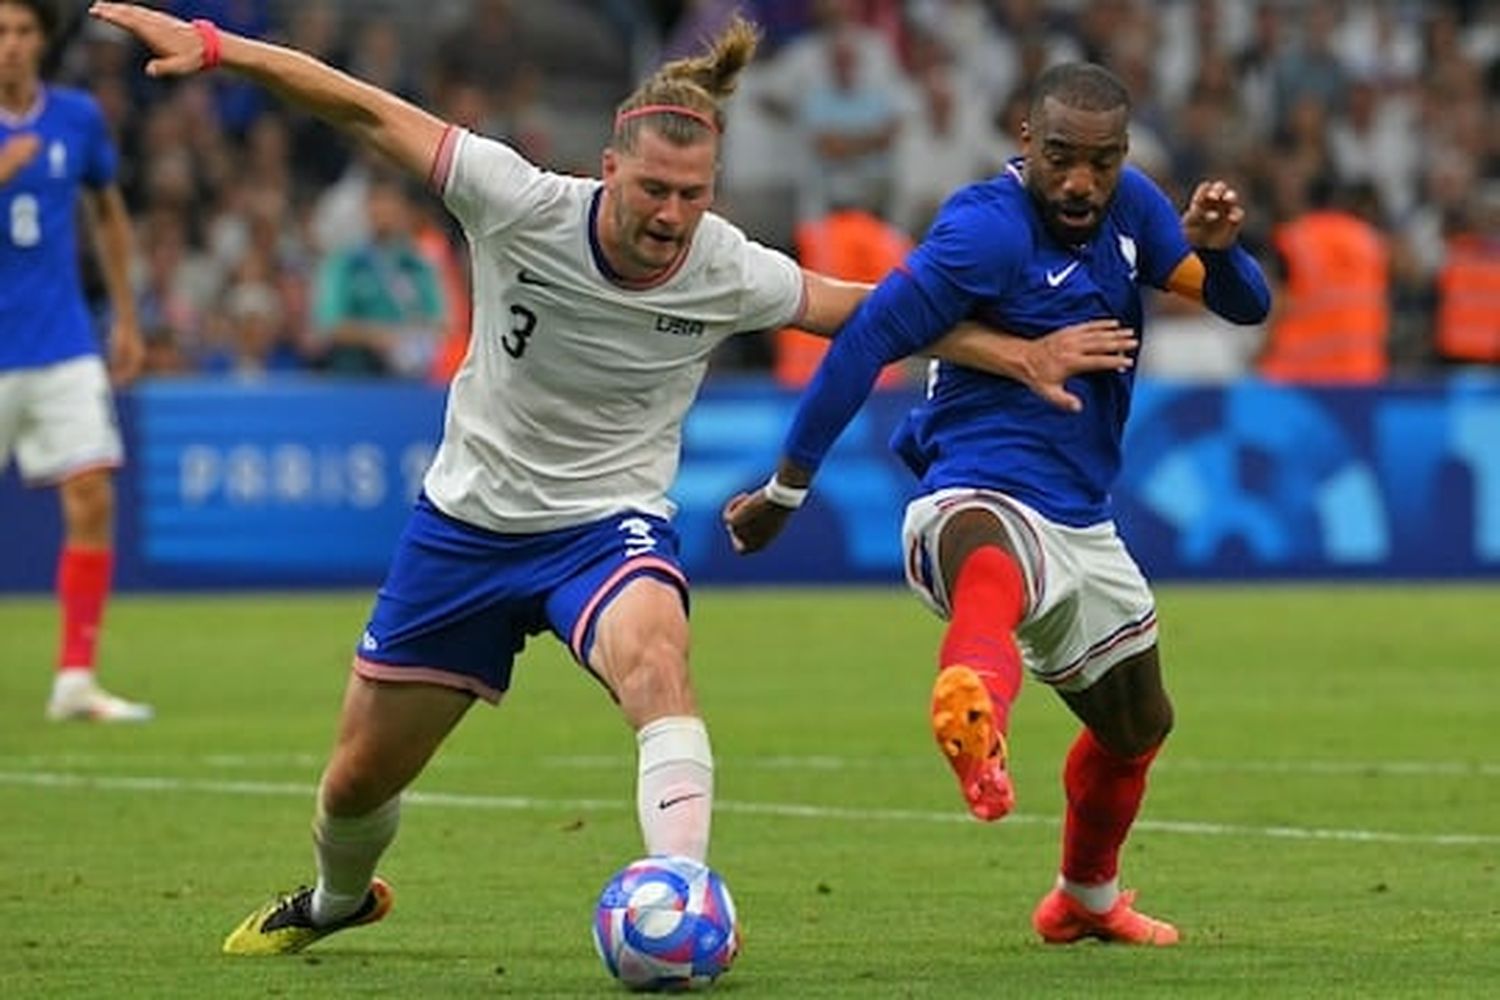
284	926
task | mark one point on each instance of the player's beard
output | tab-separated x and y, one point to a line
16	74
660	251
637	248
648	252
1072	222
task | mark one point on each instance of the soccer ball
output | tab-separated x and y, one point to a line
666	923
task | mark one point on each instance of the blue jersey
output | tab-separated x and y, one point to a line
990	258
43	316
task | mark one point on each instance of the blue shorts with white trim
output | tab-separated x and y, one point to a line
459	602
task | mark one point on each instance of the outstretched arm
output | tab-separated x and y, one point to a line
1042	365
381	120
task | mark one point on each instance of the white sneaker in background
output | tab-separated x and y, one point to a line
77	696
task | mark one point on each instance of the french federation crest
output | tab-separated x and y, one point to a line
1128	251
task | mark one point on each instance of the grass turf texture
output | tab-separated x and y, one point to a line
1324	823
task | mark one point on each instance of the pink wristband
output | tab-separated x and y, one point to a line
213	45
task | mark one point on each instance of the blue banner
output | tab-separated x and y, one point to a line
1255	480
281	482
307	483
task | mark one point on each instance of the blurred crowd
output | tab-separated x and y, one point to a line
268	244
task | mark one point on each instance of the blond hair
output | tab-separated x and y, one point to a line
682	100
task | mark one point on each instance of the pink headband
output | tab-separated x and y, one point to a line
667	109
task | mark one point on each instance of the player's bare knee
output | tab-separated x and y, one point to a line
88	506
357	783
355	795
1155	729
339	793
657	689
653	680
1143	731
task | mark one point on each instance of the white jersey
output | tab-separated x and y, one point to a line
569	406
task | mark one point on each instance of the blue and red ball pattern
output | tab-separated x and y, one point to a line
666	923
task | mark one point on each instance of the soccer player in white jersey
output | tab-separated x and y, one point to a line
596	306
56	414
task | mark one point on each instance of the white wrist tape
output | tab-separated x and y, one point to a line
782	495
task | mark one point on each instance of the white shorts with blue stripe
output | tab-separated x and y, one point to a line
59	420
1088	605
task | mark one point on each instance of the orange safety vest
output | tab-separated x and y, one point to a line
1336	315
1468	320
847	244
433	245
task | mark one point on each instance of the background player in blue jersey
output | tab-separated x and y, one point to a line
56	413
1012	539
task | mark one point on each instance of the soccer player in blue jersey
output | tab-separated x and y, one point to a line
1012	540
56	413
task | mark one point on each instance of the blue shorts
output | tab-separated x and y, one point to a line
459	602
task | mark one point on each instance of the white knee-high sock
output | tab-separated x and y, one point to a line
348	848
675	789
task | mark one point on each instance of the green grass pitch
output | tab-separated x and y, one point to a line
1325	821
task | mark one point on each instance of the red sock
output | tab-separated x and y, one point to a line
83	578
1104	795
988	601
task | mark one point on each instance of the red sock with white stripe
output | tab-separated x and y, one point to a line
83	584
1104	793
988	601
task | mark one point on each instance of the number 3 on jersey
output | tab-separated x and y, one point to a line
25	221
523	325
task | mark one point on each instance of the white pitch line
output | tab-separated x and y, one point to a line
1336	768
521	803
216	761
1339	768
813	762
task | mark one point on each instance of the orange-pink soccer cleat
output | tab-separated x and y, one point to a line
1061	919
963	720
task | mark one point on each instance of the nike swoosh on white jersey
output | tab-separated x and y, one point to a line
1057	278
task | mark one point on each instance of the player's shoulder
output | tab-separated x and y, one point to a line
719	241
715	230
724	259
491	171
1137	191
966	227
1001	198
73	110
72	101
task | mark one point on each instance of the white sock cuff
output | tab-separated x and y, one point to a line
674	738
378	825
1098	897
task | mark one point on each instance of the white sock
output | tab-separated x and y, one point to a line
347	850
675	787
1098	898
71	681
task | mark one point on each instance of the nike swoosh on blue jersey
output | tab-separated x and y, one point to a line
1053	280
